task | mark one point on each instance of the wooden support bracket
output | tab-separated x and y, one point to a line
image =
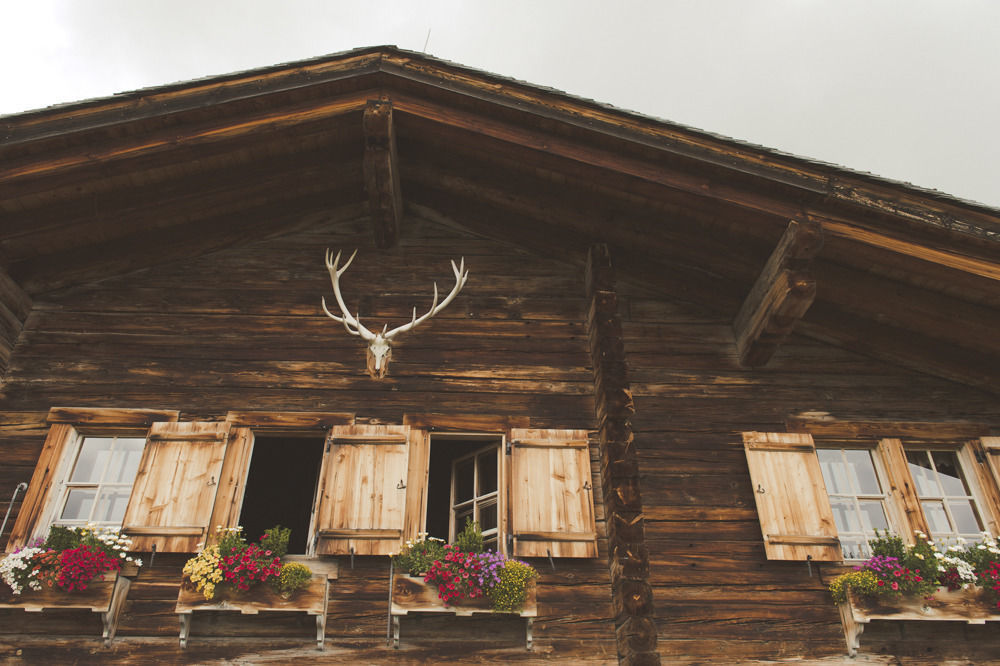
781	295
381	171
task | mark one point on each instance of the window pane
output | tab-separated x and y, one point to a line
488	517
923	475
111	505
845	515
834	473
873	515
125	460
487	472
79	501
460	518
464	481
863	470
854	549
937	519
93	458
950	473
966	519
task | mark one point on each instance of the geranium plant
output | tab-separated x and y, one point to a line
417	556
69	559
897	569
473	574
233	565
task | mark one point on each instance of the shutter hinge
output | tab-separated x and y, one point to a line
508	447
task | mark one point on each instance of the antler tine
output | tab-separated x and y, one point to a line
350	322
436	307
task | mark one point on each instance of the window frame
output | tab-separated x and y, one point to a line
497	442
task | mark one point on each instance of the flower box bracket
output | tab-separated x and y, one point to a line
105	595
410	594
944	605
312	600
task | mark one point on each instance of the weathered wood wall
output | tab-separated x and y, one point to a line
242	329
716	595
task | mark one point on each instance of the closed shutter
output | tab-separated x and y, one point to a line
363	488
792	503
551	494
176	486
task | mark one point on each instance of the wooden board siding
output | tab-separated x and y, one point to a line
717	595
242	330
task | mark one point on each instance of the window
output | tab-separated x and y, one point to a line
474	496
944	489
100	481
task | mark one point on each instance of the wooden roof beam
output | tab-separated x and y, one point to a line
781	295
381	167
15	305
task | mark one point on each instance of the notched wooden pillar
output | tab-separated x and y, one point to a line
381	170
781	295
15	305
631	593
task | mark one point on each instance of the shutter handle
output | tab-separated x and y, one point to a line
400	485
760	489
212	481
587	486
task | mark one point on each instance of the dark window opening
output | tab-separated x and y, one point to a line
280	487
455	463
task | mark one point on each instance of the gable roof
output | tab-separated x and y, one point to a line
102	187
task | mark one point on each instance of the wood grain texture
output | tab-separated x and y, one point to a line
381	167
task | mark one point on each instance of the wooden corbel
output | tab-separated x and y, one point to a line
381	170
783	292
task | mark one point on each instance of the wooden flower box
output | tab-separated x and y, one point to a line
104	595
410	594
312	600
968	606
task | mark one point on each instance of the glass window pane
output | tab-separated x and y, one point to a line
92	460
937	519
79	501
487	472
873	515
950	473
111	505
464	480
854	549
845	515
923	475
834	474
863	470
966	519
125	460
488	517
460	518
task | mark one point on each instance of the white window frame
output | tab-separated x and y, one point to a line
478	501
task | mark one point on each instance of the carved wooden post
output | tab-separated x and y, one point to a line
632	596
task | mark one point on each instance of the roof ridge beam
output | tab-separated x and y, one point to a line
381	172
783	292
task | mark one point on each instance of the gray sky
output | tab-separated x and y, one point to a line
906	89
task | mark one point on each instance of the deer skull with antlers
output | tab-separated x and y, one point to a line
379	347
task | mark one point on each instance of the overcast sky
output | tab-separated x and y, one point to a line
905	89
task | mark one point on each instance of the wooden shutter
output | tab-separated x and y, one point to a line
363	488
176	486
792	504
990	481
232	481
551	494
40	491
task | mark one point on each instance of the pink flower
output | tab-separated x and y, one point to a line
895	585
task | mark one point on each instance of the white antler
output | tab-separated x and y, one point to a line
350	322
461	275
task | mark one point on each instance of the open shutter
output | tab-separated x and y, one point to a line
551	494
175	488
363	487
990	481
792	504
39	494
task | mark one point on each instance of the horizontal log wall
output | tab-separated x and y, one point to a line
717	597
243	330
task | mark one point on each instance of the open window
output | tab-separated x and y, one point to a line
846	489
464	482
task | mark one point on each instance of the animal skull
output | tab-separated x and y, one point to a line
379	344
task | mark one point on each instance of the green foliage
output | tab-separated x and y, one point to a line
276	540
417	556
470	540
62	538
230	540
864	583
294	576
510	593
888	544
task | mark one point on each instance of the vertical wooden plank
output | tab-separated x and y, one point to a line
232	481
901	487
415	517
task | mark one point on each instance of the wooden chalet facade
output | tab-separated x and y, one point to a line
658	323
